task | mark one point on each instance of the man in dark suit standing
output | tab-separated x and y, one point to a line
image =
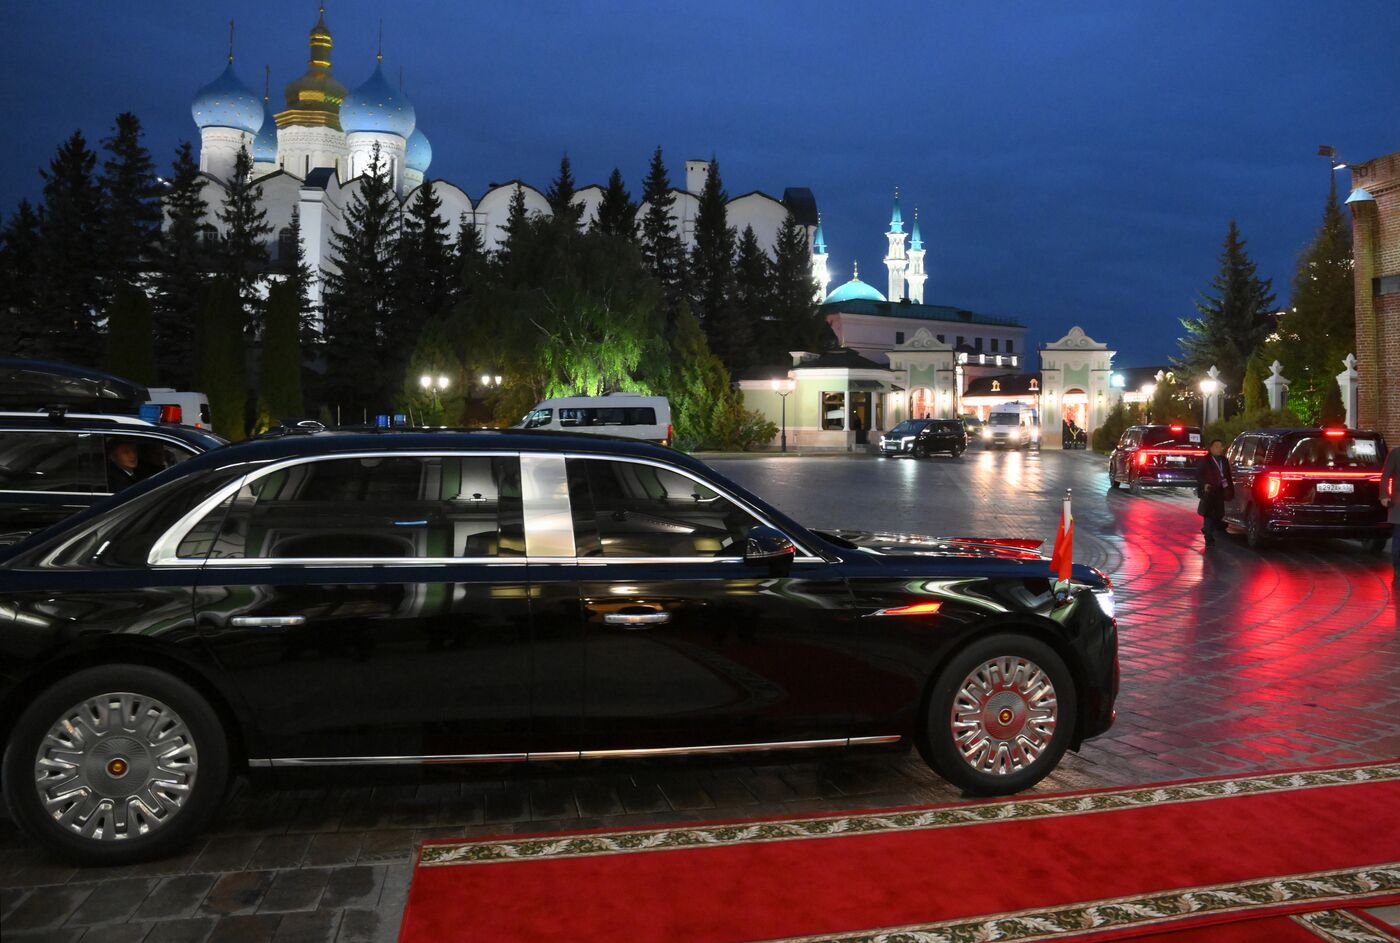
1214	486
1390	490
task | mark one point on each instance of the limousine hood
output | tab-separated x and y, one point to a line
1007	548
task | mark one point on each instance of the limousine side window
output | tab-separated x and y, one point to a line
380	507
50	461
632	509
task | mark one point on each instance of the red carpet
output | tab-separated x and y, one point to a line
1102	865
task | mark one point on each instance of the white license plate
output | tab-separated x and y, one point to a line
1337	487
1176	459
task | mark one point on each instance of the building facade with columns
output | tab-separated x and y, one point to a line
1375	210
313	153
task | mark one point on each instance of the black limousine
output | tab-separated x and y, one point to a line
352	599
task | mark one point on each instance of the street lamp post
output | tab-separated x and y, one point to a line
784	389
434	385
1209	387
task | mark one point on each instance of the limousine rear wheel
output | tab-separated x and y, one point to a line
1000	715
115	764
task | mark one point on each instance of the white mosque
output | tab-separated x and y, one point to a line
313	154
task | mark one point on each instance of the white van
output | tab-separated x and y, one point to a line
1011	426
624	414
186	408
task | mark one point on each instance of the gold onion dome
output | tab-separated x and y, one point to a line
314	98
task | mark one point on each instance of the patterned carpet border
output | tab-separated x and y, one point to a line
626	841
1145	911
1342	926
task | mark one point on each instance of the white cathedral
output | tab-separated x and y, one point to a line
313	154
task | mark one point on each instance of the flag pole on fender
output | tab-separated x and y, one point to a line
1062	559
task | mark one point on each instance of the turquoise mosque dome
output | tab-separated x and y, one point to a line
855	290
265	144
227	103
419	153
377	106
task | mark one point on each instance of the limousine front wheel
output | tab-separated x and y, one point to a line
1000	715
115	764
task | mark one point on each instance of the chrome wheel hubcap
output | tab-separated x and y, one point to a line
116	766
1004	715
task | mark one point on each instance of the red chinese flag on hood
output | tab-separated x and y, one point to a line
1062	559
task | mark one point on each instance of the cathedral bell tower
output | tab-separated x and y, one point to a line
895	260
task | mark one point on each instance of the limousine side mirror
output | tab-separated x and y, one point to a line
768	546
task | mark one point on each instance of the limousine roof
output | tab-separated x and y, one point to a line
296	442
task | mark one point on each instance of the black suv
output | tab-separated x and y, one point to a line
1156	457
55	463
921	438
338	599
1310	482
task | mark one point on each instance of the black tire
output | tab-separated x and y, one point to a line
1133	486
1374	544
938	744
1256	535
202	729
1112	481
957	453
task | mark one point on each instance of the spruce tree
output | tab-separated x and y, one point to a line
360	295
561	195
131	340
427	274
180	273
662	248
1233	318
279	383
753	284
517	219
1318	329
617	214
222	369
22	322
299	279
713	291
131	211
69	281
798	320
243	249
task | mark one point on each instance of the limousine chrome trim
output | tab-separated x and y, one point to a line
163	550
306	761
547	516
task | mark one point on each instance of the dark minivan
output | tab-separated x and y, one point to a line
1311	482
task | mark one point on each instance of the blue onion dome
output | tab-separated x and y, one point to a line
377	106
227	103
419	153
265	144
855	290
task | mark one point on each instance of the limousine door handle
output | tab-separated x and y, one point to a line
636	620
267	622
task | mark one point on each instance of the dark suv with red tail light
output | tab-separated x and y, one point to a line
1156	457
1318	482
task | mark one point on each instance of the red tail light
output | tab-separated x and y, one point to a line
1142	459
670	434
171	413
1176	428
1334	433
1273	484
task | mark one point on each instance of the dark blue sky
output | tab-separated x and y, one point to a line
1074	162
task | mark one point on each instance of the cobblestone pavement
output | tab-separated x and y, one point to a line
1232	661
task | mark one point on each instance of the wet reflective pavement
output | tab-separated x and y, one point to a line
1232	661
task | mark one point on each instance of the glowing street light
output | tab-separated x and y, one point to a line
784	388
434	385
1209	387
